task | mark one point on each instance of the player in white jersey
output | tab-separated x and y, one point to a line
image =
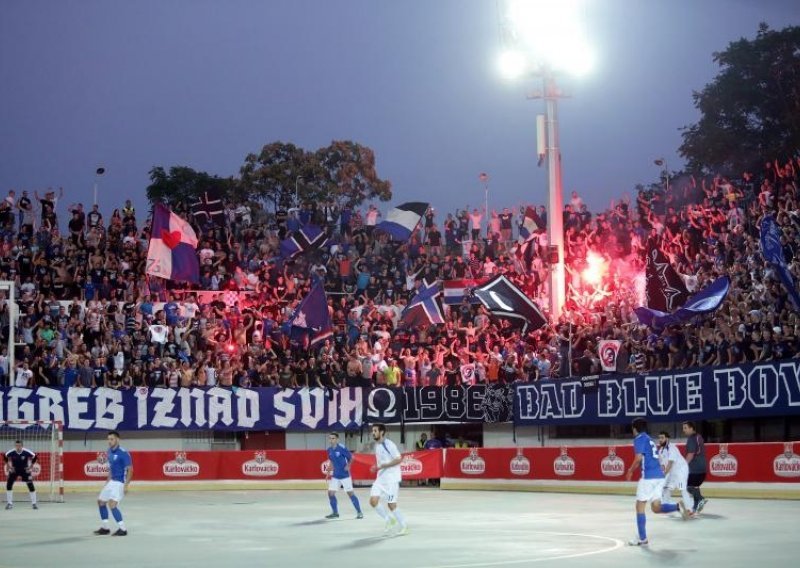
676	471
387	480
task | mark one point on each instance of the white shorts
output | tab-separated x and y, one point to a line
388	489
113	491
650	489
345	483
678	479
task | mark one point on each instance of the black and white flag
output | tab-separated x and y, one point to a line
209	208
504	300
665	288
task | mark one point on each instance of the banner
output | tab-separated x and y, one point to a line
253	409
709	393
186	408
477	403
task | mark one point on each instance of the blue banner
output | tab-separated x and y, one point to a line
186	408
709	393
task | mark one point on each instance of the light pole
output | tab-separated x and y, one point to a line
661	162
484	177
97	173
296	200
542	39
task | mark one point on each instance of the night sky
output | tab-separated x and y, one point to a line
129	85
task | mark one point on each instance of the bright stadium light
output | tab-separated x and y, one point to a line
546	38
551	33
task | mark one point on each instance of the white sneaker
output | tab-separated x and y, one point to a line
403	531
389	525
638	542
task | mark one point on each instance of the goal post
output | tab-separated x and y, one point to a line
46	440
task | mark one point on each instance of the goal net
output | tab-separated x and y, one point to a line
46	440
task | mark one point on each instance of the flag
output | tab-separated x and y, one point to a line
530	224
308	238
665	289
209	208
173	247
401	221
456	290
772	251
707	300
608	350
504	300
468	374
312	316
424	310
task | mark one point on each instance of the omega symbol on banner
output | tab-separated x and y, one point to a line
788	463
612	465
723	464
181	466
473	464
260	466
520	465
564	465
98	467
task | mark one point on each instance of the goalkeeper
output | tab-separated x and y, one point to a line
18	463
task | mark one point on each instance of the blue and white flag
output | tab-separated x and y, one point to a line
401	221
772	250
424	310
312	316
309	237
705	301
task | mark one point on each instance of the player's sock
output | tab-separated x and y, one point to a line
400	517
117	514
9	497
641	522
688	500
669	507
33	497
382	512
356	504
334	504
104	515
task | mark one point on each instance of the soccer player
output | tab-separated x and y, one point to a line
651	484
120	472
387	480
696	458
676	471
339	460
18	463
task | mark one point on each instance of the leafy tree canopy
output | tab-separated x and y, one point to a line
182	186
750	112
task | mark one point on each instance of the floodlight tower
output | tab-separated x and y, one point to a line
545	38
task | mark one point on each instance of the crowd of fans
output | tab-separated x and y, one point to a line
88	315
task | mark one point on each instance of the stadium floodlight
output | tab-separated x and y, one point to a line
547	38
551	33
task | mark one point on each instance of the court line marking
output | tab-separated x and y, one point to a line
617	544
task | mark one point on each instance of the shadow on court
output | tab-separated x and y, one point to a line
310	523
363	542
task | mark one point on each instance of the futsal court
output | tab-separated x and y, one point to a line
455	529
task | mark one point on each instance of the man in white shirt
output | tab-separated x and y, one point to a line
24	375
387	480
676	470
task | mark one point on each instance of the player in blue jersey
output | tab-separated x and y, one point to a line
120	472
651	484
338	468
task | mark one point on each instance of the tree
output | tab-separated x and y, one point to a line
275	172
343	172
750	112
183	186
348	174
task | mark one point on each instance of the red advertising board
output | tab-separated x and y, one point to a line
255	465
768	462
